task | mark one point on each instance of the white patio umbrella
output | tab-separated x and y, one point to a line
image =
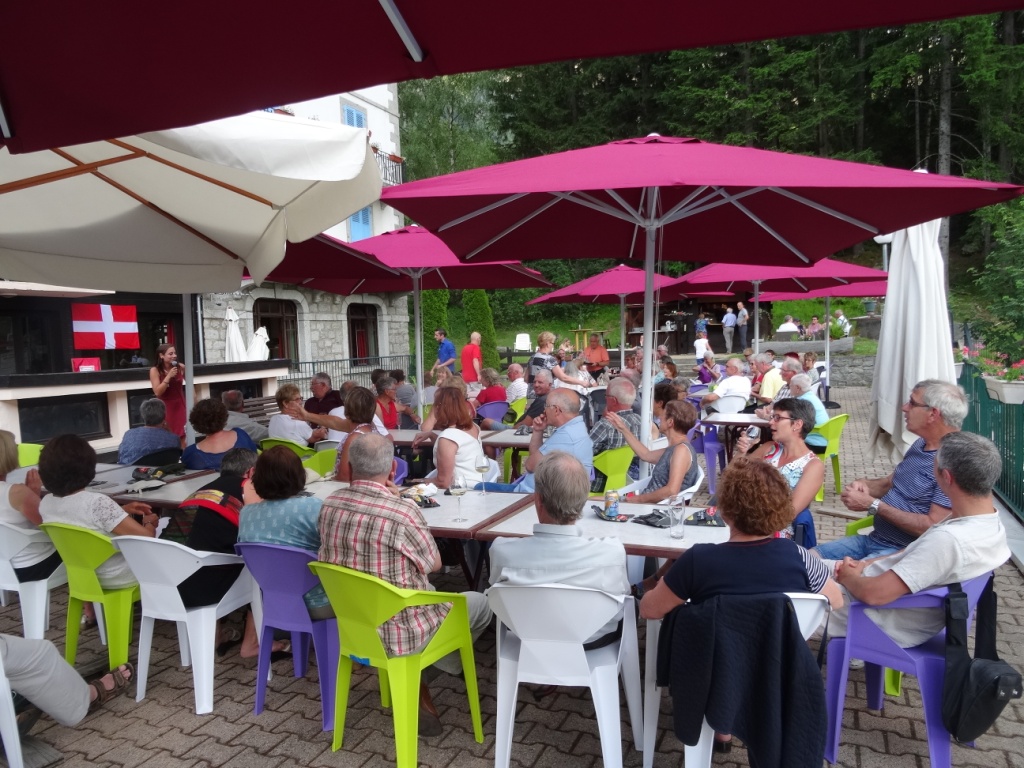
258	349
914	342
234	348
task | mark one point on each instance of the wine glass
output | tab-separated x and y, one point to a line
483	466
458	488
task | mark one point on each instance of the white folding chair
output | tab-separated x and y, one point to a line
810	611
541	631
9	723
160	566
34	596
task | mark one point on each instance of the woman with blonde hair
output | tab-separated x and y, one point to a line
457	450
19	507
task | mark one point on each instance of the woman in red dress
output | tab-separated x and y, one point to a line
168	380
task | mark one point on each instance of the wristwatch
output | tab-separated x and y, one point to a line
873	508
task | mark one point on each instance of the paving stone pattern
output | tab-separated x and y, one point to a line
557	730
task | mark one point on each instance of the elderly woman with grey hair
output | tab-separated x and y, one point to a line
152	437
801	388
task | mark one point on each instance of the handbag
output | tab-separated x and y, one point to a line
974	691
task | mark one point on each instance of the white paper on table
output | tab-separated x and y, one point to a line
161	526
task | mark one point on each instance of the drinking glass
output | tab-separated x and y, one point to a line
458	488
483	466
676	515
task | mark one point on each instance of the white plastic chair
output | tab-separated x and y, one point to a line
729	404
160	566
34	596
9	723
326	445
810	611
522	343
541	631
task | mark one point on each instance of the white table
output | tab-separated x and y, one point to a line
18	475
507	439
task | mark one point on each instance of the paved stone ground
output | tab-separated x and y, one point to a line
559	730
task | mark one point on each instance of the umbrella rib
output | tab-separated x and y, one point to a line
587	201
79	169
480	211
757	220
824	209
515	226
707	203
355	253
670	216
406	35
189	172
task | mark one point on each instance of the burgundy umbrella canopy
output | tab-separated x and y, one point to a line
683	198
73	72
851	290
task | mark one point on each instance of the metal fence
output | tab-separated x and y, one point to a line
351	369
1004	425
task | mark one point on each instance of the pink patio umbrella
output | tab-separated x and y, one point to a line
823	274
408	259
688	199
70	73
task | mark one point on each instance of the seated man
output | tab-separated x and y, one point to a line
969	543
151	437
542	382
516	389
235	403
558	553
563	412
619	399
788	326
770	383
368	528
324	399
909	501
790	367
734	383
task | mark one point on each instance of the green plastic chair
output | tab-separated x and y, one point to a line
893	677
28	454
614	464
362	603
322	462
832	430
83	551
518	407
301	450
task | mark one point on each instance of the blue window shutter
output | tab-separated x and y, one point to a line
354	117
360	225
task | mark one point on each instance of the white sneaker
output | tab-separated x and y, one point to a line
856	663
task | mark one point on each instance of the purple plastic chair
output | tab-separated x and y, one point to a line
496	411
713	449
864	640
284	576
401	470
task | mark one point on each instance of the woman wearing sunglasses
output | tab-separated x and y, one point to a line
790	423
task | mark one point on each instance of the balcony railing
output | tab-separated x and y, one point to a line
350	369
392	167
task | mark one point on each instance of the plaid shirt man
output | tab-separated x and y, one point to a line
366	528
607	437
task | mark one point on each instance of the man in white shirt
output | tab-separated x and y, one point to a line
843	321
734	383
558	553
788	326
516	389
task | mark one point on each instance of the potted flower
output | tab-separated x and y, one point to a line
1003	380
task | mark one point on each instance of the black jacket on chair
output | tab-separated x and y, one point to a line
741	662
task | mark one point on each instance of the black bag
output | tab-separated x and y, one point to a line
974	691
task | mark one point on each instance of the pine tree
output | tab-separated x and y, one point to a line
434	306
479	319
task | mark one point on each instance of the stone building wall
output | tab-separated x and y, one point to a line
852	370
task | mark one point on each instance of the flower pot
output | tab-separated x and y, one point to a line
1009	392
870	306
958	369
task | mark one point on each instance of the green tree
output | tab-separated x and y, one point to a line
434	305
998	317
479	319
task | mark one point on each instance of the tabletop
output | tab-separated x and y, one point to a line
734	420
171	494
404	437
507	439
18	475
638	539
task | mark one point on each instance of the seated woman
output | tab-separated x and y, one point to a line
389	410
285	426
66	466
675	467
791	421
19	506
809	365
275	513
492	391
210	417
708	371
360	407
457	449
755	501
668	368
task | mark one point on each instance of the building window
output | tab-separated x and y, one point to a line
44	417
359	225
354	117
280	319
362	333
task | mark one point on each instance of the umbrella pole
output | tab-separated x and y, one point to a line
622	331
189	378
827	402
647	400
757	316
419	340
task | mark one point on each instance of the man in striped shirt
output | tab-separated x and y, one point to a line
909	501
368	528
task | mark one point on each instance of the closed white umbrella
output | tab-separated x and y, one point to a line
234	349
258	348
914	342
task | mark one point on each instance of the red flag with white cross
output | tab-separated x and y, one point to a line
104	326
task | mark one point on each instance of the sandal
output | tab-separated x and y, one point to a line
229	638
119	684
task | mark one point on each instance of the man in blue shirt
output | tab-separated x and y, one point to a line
561	410
445	351
909	501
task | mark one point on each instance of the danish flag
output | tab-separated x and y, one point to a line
102	326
